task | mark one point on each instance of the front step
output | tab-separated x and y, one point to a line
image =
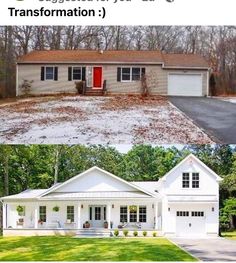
93	233
94	93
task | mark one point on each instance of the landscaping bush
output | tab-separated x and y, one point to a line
116	233
154	234
125	232
144	233
79	86
135	233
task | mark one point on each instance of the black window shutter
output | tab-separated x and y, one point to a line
143	71
42	73
83	73
56	73
119	74
70	73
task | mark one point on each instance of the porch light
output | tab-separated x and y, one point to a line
113	206
152	206
169	209
82	206
212	209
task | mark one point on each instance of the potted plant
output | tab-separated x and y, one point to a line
56	209
87	224
40	221
20	210
105	224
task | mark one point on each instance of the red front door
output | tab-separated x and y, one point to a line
97	77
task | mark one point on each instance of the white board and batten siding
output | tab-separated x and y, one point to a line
185	84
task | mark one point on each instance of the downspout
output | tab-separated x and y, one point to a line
17	80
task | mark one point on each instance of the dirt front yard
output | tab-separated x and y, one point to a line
96	120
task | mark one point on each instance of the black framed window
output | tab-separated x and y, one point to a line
90	213
197	213
185	180
105	213
97	213
77	73
133	215
43	213
182	213
195	180
142	214
123	214
71	213
49	73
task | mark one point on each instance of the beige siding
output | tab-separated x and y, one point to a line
157	79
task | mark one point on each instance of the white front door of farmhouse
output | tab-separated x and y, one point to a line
97	215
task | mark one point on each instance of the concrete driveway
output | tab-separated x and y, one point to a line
211	249
216	117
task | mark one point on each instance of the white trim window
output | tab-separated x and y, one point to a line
195	180
49	73
124	214
129	74
76	73
142	214
185	180
71	213
43	213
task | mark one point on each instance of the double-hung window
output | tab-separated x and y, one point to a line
185	180
123	214
142	214
195	180
43	213
71	213
49	73
77	73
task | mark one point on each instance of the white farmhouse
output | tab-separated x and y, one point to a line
185	202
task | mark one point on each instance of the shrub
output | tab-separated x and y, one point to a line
144	233
26	86
125	232
135	233
116	233
56	209
154	234
79	86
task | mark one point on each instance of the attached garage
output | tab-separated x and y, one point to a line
190	223
185	85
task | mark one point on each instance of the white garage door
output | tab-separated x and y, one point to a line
185	85
190	223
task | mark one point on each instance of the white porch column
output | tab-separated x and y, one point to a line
156	215
109	215
79	216
4	216
36	216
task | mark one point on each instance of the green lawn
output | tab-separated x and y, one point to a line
75	249
231	235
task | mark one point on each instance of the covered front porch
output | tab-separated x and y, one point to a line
77	215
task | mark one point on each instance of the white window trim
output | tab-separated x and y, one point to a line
190	181
45	73
72	73
131	74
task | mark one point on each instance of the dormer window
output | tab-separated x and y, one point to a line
185	181
195	180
